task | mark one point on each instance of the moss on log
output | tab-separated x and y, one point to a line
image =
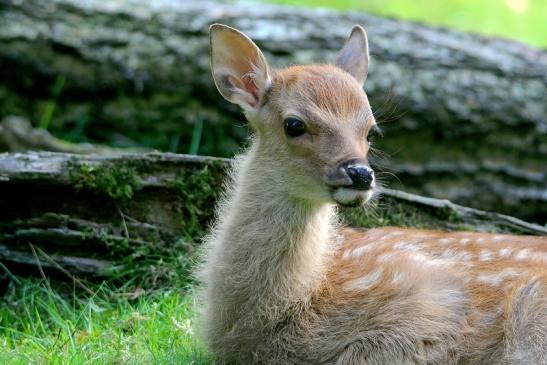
92	214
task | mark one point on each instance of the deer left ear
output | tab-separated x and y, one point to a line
240	70
353	57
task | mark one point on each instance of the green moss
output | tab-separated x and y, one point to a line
118	181
391	213
152	258
197	193
394	212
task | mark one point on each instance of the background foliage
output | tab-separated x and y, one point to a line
523	20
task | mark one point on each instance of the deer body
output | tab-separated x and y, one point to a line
284	283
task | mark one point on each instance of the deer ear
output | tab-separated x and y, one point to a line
353	57
239	68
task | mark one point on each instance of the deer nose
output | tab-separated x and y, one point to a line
362	176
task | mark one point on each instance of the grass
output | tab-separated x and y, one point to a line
117	321
523	20
49	109
52	323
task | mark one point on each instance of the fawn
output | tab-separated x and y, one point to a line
285	283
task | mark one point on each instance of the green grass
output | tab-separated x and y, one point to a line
43	323
523	20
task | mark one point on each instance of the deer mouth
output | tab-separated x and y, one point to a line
349	197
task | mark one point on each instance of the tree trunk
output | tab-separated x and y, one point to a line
468	112
89	214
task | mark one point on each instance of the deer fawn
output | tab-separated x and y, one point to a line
284	283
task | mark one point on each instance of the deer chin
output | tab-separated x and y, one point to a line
351	197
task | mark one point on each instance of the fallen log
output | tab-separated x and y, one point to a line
470	121
90	214
17	135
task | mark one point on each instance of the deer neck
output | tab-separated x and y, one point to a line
270	247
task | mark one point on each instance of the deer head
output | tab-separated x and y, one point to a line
311	122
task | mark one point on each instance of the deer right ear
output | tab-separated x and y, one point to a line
353	57
239	68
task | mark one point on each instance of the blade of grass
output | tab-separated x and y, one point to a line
8	272
47	115
39	264
63	270
196	138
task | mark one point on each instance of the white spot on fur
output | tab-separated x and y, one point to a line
428	261
445	241
480	239
406	246
398	277
498	238
465	241
462	256
506	252
392	234
485	255
523	254
497	278
386	257
374	235
418	257
365	282
357	252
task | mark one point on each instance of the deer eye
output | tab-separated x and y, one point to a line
294	127
373	132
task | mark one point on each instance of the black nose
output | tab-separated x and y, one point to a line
361	175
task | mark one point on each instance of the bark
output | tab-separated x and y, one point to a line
468	112
90	214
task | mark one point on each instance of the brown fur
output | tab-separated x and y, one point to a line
284	283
